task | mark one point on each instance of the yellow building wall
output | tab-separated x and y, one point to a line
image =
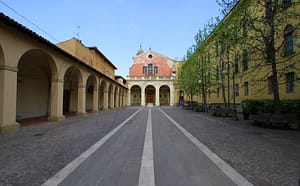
256	77
90	56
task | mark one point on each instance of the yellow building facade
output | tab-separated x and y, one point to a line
243	69
41	79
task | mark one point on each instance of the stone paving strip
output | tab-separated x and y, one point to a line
147	168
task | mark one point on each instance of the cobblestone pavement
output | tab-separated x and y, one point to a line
266	157
34	154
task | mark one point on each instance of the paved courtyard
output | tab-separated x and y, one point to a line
151	146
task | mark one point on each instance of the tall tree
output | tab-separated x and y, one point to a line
188	76
203	63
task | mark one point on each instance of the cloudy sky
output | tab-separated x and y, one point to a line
117	27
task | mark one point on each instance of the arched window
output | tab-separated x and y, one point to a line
150	69
155	70
288	40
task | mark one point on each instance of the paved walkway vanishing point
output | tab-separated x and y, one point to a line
134	146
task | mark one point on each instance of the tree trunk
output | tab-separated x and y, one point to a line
271	55
223	91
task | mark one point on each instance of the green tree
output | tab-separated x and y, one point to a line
202	56
188	77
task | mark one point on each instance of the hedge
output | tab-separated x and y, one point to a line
252	106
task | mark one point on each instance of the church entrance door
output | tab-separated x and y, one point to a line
150	94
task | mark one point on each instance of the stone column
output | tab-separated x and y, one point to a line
8	99
129	98
95	99
81	101
143	103
105	99
117	100
171	96
56	106
157	102
112	100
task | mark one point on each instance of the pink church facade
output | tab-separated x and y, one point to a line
151	79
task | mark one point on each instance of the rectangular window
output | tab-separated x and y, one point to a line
289	44
150	69
144	70
236	63
237	90
245	59
290	79
270	85
155	70
246	88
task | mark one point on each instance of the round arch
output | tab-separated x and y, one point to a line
150	95
72	81
164	95
91	83
135	95
36	69
102	90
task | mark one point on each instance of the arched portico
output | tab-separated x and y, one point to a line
150	95
72	91
135	95
157	91
164	95
36	70
37	78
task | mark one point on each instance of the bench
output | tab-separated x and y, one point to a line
269	119
220	111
